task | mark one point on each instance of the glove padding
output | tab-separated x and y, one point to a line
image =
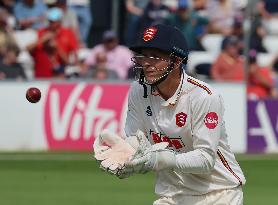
112	151
148	157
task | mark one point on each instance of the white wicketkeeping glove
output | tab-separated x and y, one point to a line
112	151
148	157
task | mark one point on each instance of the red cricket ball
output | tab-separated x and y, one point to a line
33	95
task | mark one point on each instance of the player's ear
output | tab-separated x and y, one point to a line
177	60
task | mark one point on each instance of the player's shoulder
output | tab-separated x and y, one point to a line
198	89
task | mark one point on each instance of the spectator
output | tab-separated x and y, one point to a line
155	13
69	18
237	30
100	74
199	6
221	14
258	30
83	68
260	82
8	6
118	56
135	9
190	23
260	8
50	3
30	14
100	66
83	11
54	47
229	66
101	61
9	68
6	33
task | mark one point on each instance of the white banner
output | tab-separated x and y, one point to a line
235	115
70	114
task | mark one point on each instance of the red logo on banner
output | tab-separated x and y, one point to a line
75	113
149	34
181	119
211	120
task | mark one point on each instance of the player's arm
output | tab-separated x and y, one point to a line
206	123
206	135
134	120
112	150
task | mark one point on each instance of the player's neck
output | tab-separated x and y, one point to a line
168	87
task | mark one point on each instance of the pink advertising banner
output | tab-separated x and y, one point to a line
74	113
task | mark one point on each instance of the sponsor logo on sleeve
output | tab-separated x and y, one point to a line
211	120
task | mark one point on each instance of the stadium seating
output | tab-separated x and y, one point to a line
83	53
198	57
25	37
265	59
27	62
271	43
212	42
272	25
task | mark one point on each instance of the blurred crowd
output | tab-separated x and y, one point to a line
47	39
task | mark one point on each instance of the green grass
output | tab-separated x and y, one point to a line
74	179
262	180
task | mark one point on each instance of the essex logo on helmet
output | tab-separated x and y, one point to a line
149	34
211	120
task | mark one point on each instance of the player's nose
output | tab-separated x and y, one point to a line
146	63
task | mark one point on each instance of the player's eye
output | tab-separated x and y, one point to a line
137	59
140	59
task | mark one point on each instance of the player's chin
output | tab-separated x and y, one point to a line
150	79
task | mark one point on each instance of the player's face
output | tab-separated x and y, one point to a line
154	63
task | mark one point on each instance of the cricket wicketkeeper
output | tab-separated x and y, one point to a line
174	127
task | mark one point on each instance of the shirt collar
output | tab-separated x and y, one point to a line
174	99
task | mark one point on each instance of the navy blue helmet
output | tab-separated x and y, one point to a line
165	38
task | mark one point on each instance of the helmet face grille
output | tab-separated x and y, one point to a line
139	59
